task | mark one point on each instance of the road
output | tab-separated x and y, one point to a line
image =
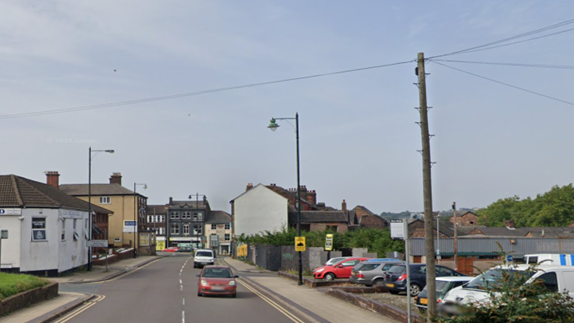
166	291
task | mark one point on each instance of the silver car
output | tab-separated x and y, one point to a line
372	272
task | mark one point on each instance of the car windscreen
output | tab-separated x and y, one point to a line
396	270
441	286
494	278
217	273
204	254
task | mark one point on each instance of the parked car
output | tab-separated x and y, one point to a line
341	269
217	280
185	247
372	272
203	257
335	260
556	278
396	277
443	285
171	249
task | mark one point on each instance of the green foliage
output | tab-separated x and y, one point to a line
12	284
554	208
513	301
375	240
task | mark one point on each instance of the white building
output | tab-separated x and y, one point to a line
47	229
257	210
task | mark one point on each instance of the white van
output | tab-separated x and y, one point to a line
203	257
550	259
556	279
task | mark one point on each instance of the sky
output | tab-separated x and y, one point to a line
183	91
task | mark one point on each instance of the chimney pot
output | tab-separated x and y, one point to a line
344	206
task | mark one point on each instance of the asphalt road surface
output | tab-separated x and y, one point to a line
166	291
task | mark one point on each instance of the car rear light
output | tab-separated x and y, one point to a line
402	277
360	275
439	300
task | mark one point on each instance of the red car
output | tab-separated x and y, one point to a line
217	280
171	249
341	269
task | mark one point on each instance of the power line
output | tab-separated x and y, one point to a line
506	84
522	41
506	64
536	31
181	95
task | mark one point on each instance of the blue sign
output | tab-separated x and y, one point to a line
509	258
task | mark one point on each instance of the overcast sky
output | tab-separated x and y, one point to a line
358	136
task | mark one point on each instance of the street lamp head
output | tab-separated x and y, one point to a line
273	125
111	151
145	186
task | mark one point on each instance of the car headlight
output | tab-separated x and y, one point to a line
204	282
232	283
319	270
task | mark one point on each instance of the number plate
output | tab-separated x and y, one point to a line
424	301
391	285
217	288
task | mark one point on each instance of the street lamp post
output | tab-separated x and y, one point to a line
90	217
136	209
273	126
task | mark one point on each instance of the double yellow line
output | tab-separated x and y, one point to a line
76	312
278	307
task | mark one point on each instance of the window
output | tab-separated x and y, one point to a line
550	281
175	215
186	229
63	229
213	226
76	235
105	200
161	231
227	226
197	229
174	229
227	237
161	219
38	229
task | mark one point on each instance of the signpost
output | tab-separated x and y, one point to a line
329	242
400	231
299	243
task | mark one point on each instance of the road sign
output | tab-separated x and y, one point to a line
98	243
329	242
397	229
299	243
509	258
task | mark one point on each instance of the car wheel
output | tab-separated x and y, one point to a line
233	295
199	294
379	283
394	292
415	289
329	277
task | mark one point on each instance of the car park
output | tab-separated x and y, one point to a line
396	277
203	257
478	291
372	272
341	269
217	280
443	285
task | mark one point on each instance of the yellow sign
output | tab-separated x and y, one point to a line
299	243
329	242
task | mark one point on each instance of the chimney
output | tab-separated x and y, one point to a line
249	186
344	206
116	178
312	197
52	178
171	200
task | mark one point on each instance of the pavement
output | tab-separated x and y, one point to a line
309	304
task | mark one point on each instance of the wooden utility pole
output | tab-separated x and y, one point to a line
427	189
454	247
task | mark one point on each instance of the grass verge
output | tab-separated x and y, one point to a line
12	284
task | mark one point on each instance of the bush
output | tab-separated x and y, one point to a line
513	301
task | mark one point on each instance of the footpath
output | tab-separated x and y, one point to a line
309	304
